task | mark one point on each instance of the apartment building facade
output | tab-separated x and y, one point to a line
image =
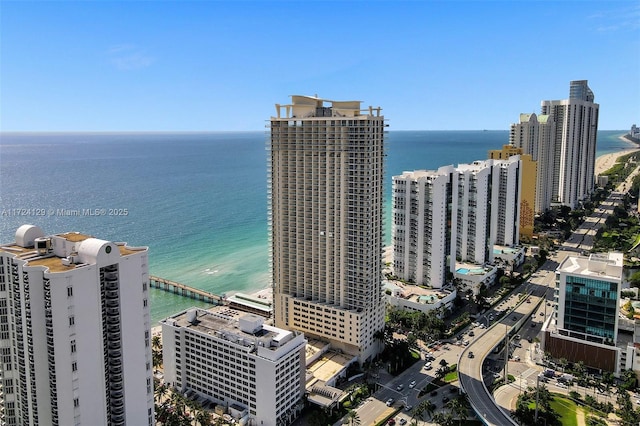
576	127
254	370
421	231
74	331
454	214
326	187
535	135
584	326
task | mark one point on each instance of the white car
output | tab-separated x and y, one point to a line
390	402
412	384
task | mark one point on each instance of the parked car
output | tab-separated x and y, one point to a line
412	384
400	387
390	402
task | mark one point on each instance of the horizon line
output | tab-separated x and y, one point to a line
2	132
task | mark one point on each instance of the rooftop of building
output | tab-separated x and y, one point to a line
37	249
601	265
416	293
507	250
472	269
303	106
226	323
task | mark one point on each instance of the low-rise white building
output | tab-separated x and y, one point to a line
234	359
416	298
508	258
469	276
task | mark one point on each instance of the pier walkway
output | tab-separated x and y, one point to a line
185	290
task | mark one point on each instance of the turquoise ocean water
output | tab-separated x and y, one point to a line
198	200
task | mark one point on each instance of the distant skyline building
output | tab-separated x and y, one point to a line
535	134
255	371
584	326
576	126
74	331
326	183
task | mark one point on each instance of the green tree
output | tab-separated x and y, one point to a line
562	363
458	409
424	407
443	419
352	418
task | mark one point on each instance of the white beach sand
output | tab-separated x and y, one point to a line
605	162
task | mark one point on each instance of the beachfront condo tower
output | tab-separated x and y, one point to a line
535	135
454	214
326	182
74	331
576	128
527	185
421	231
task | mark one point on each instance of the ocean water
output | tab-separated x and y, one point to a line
198	200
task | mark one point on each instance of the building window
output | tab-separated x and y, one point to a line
74	366
76	402
73	346
72	320
69	291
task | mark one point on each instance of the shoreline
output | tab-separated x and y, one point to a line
602	163
605	161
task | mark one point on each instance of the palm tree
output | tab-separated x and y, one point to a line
161	392
156	342
423	407
352	418
562	363
443	419
203	418
458	409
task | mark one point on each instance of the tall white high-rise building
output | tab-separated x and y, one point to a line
535	134
421	231
74	331
576	130
454	214
326	183
471	209
233	358
506	176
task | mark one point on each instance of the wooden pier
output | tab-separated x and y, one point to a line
185	290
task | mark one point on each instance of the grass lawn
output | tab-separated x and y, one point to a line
451	376
566	410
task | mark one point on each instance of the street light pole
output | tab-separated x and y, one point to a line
535	418
506	354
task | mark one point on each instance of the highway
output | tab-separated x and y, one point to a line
519	309
471	378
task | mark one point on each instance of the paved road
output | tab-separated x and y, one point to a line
519	316
470	369
374	409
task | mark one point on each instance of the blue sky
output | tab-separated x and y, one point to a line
218	65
